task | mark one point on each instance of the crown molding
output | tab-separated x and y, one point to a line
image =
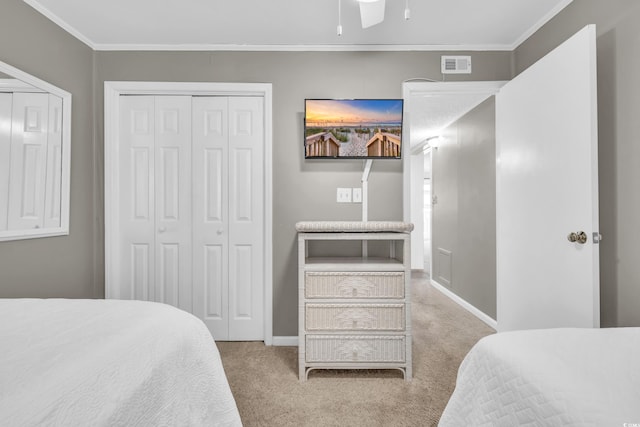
531	31
299	48
60	22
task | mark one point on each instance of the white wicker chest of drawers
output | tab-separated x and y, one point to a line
354	312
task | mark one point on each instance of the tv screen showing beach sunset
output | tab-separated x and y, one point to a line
353	128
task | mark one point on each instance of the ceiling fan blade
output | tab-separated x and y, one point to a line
371	12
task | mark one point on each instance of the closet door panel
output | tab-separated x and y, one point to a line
53	189
246	151
210	213
27	181
173	200
213	304
137	198
139	270
242	292
191	208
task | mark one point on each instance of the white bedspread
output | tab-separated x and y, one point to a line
558	377
109	363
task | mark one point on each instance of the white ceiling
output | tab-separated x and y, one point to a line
297	24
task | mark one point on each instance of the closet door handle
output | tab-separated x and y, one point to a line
162	229
219	232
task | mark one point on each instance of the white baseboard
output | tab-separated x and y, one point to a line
285	341
471	309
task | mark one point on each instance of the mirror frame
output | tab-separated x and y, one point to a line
63	229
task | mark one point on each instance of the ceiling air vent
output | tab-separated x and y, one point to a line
456	65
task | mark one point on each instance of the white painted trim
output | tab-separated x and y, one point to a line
112	92
285	341
60	22
65	190
535	27
302	47
426	88
15	85
464	304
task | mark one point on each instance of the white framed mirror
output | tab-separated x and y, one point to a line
35	148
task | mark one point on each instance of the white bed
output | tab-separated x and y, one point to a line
556	377
109	363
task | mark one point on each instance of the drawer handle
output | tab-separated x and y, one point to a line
355	355
355	292
355	324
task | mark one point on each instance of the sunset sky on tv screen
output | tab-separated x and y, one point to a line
378	112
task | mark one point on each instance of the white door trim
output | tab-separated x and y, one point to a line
417	89
112	91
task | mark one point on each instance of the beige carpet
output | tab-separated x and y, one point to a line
264	380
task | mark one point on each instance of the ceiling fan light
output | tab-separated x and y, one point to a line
371	13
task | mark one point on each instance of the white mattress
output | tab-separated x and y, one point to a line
558	377
109	363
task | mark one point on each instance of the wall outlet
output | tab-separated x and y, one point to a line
344	195
356	195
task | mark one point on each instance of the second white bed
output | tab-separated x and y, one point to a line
556	377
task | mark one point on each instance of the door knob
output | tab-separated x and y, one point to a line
219	232
162	229
579	237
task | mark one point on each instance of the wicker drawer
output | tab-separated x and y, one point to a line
349	348
354	317
354	284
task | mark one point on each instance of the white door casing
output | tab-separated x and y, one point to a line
547	187
261	309
455	98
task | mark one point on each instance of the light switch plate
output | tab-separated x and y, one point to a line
356	195
344	195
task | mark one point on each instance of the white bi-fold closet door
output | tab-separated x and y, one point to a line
30	160
191	208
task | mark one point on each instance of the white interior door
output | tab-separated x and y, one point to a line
27	177
136	232
246	218
155	204
53	191
192	208
173	201
210	213
547	182
228	150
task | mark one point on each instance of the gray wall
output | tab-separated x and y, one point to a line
72	266
54	266
618	35
464	218
302	190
